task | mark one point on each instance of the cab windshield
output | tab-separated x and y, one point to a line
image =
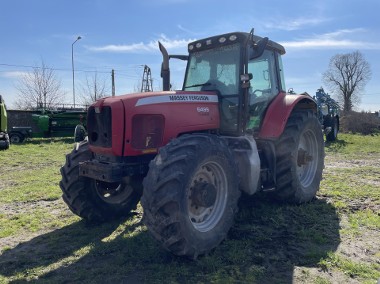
217	70
212	69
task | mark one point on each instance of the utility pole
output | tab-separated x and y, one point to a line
146	82
72	66
113	82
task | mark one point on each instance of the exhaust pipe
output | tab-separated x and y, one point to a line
165	71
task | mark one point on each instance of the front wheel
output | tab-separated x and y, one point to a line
190	194
96	201
16	138
300	158
79	133
4	144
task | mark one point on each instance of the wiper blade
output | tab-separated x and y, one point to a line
198	85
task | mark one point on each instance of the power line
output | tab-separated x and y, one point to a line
49	68
30	66
66	69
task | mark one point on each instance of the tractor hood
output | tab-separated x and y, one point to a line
136	124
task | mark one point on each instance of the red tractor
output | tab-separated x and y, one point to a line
190	153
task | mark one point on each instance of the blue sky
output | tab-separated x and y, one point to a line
122	35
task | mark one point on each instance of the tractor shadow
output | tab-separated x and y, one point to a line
66	254
278	237
266	243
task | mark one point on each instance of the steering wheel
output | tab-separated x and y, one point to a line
258	103
258	90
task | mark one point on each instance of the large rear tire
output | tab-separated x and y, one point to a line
93	200
300	158
190	194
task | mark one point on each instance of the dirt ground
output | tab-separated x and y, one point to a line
363	248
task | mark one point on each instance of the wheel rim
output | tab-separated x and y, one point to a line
15	139
113	193
207	196
307	159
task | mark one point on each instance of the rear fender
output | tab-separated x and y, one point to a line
279	111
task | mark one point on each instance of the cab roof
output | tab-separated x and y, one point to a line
230	38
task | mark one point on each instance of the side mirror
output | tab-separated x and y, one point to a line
258	48
245	78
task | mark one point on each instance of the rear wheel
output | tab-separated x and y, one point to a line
79	133
190	194
16	138
93	200
333	134
300	158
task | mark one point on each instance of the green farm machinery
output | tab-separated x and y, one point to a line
4	138
46	124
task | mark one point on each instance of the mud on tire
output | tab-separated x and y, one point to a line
190	194
93	200
300	158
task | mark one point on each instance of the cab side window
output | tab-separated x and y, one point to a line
263	86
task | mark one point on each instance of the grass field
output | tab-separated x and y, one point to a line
334	239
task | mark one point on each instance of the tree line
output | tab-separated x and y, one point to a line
346	76
41	88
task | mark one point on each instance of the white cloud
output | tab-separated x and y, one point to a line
144	47
172	44
334	40
339	33
321	43
121	48
295	24
182	28
13	74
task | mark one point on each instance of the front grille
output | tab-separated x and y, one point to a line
99	126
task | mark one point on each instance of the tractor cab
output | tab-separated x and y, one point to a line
244	70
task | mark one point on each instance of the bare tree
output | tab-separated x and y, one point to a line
39	89
346	77
94	88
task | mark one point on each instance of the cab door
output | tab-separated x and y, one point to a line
265	85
